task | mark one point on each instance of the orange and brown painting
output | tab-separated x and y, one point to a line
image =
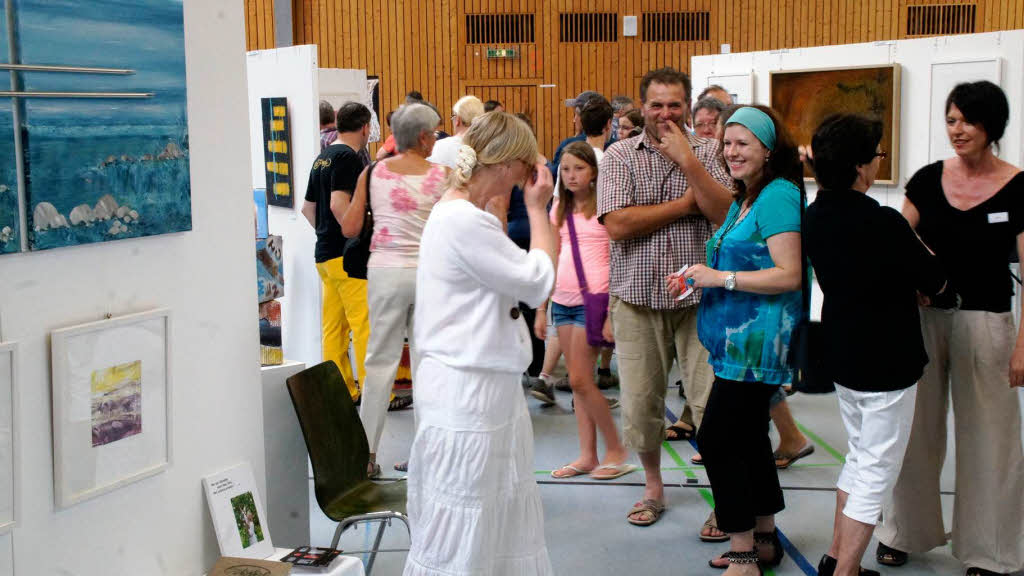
804	98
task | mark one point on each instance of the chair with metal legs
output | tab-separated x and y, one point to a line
339	453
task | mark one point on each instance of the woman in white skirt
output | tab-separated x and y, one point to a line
473	504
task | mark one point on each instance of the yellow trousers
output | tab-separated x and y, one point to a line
345	315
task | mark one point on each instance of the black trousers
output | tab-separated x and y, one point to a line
733	439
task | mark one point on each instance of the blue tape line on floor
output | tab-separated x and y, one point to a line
794	554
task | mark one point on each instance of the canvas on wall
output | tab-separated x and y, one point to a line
8	436
373	103
277	151
111	404
804	98
100	169
269	268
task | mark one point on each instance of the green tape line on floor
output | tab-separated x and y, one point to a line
704	492
817	440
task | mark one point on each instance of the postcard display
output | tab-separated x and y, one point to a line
238	514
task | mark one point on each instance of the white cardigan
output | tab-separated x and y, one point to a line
470	280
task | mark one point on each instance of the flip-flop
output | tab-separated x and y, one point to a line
789	459
681	433
652	507
712	523
375	473
402	466
573	471
888	556
617	471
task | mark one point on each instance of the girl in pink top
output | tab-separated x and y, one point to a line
577	199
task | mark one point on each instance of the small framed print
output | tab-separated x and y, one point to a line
111	404
9	448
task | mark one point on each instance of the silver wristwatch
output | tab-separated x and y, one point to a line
730	281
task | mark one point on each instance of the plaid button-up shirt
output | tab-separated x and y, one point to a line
633	172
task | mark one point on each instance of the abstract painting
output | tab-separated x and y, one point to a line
804	98
247	519
8	436
111	404
277	151
116	403
271	353
101	169
269	268
259	196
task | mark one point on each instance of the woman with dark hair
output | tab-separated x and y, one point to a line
630	124
969	209
848	235
751	302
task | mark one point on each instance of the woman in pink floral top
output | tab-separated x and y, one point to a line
403	191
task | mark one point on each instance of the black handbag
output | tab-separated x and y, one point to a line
807	344
357	248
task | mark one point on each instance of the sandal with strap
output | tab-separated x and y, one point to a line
652	507
739	558
888	556
712	524
764	539
827	567
680	433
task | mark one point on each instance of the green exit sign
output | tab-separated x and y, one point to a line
501	53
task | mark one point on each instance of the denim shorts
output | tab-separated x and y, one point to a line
567	315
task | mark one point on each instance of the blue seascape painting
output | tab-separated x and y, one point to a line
104	169
10	228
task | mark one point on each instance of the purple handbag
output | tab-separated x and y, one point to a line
595	306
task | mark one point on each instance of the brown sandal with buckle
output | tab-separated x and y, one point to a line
652	508
712	524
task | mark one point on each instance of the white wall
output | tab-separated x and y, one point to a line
291	73
915	57
159	525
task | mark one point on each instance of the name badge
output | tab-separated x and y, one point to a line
997	217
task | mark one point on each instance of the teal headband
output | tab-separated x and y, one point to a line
757	122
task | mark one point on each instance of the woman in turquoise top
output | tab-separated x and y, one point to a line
750	305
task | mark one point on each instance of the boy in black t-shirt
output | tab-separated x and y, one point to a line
332	181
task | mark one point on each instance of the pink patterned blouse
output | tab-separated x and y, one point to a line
401	204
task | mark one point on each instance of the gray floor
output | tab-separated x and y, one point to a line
585	523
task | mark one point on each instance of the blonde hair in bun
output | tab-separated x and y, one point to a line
494	138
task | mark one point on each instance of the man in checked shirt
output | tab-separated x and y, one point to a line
654	192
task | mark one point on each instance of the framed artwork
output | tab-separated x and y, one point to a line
269	268
111	404
373	103
239	518
739	86
945	76
103	168
803	98
9	447
259	196
277	151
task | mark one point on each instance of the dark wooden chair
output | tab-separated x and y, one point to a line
339	452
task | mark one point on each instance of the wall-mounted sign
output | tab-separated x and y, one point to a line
501	53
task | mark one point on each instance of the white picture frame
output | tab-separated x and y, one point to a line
10	450
111	404
944	76
739	86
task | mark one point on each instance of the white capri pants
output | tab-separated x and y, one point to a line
878	425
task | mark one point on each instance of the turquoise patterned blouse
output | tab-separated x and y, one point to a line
748	334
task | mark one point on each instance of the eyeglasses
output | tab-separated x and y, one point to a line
882	155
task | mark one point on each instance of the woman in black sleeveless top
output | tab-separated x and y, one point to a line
969	210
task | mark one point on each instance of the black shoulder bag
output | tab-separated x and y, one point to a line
357	248
807	344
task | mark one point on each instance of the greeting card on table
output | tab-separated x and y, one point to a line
238	514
